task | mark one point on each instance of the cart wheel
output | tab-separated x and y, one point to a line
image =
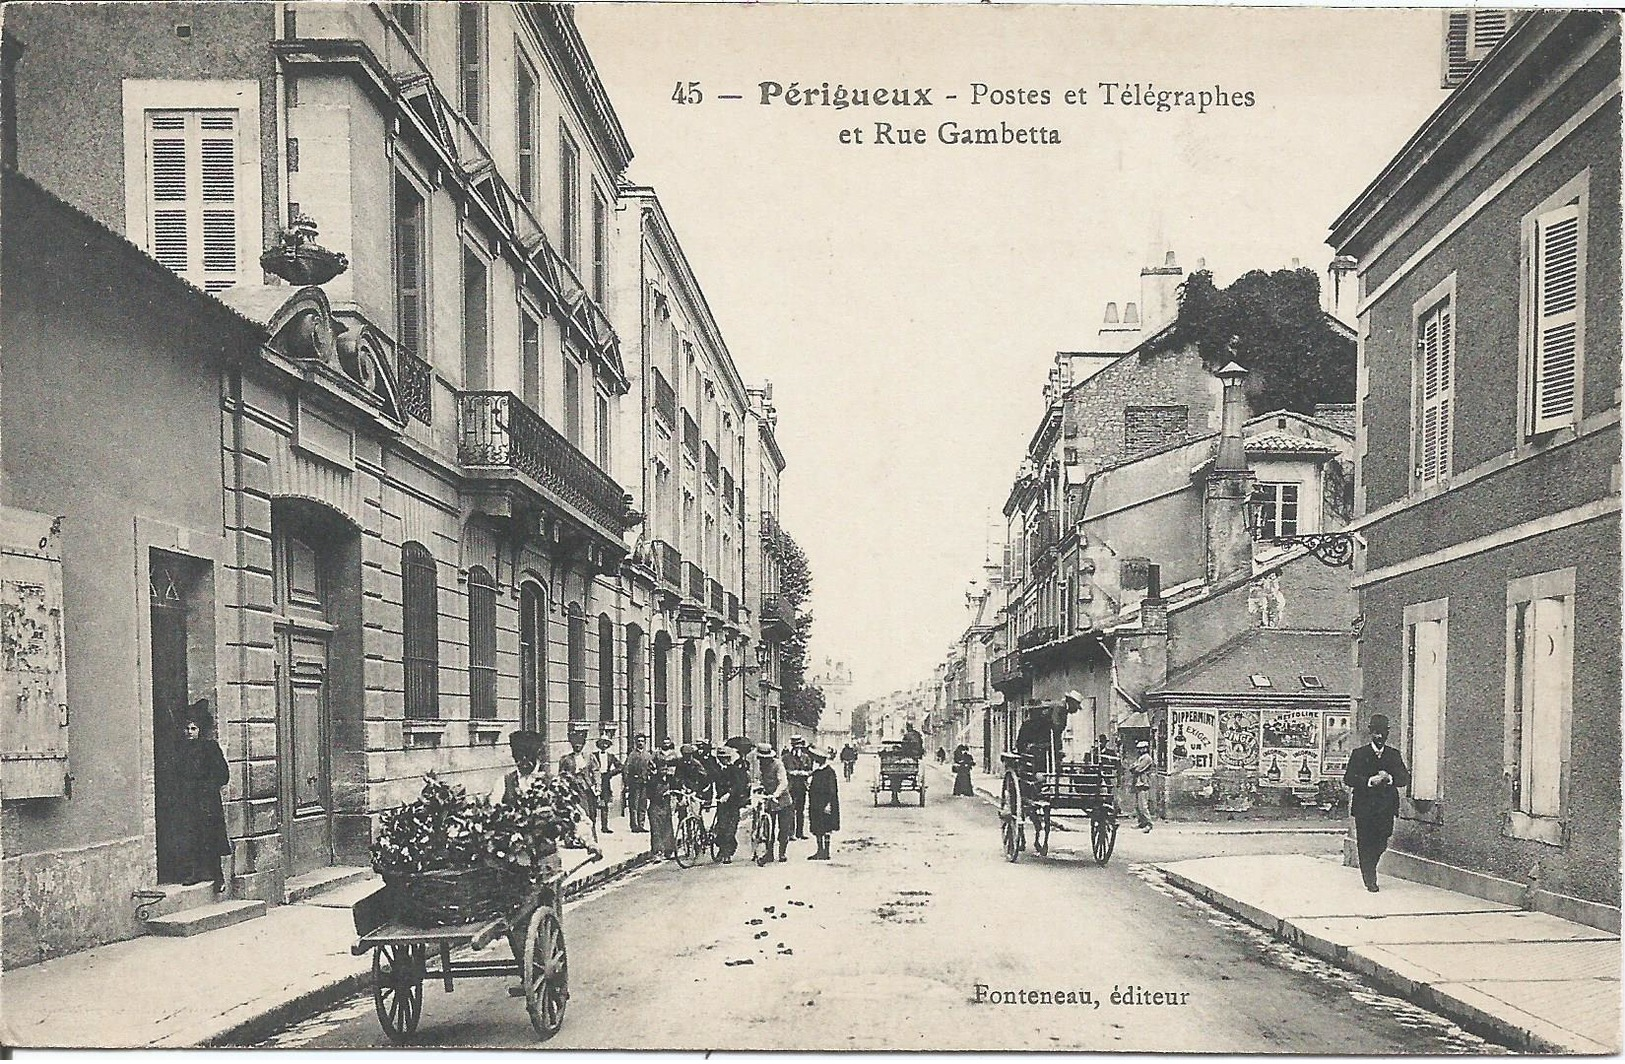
1011	829
1010	815
1041	828
546	974
922	796
688	841
397	989
1103	834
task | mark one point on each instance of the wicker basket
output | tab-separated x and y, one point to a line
454	895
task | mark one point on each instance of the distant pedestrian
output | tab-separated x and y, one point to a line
1374	775
849	759
823	803
798	765
202	772
1140	780
640	765
963	763
942	755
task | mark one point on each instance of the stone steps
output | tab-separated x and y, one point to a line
205	918
319	881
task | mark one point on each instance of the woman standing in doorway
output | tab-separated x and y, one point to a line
202	772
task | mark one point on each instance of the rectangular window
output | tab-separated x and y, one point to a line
192	195
572	400
476	324
1540	673
525	133
603	431
1553	309
569	199
530	358
407	17
471	62
410	291
1423	714
1279	517
1435	371
600	246
482	644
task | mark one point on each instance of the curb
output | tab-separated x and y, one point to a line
284	1014
1412	988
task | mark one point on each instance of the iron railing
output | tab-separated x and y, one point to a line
694	581
497	430
416	380
1035	637
668	564
715	597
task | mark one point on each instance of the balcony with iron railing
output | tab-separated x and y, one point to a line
499	438
1037	637
728	488
778	618
1005	670
711	463
1043	536
691	437
694	582
714	596
731	607
668	565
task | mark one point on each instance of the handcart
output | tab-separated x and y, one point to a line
898	772
404	955
1040	795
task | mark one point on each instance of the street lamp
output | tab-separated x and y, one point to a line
1329	548
744	667
690	625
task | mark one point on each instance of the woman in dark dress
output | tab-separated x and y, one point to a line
202	772
963	763
823	803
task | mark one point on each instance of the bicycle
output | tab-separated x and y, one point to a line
847	767
693	837
763	830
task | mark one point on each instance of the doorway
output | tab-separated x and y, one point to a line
172	584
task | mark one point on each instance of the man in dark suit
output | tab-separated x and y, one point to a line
1374	776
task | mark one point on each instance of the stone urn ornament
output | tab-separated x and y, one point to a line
298	259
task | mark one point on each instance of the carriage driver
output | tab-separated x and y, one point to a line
1040	736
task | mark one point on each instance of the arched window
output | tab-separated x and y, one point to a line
662	687
533	658
420	631
688	692
606	668
711	695
482	644
637	700
577	657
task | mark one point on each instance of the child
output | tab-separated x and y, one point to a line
823	803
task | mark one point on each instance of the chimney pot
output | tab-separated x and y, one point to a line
1168	259
1131	315
1111	313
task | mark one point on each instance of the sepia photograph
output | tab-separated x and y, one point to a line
813	527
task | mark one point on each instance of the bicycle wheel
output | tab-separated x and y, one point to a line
688	841
761	838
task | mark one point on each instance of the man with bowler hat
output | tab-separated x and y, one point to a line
640	766
798	765
579	769
1374	776
606	765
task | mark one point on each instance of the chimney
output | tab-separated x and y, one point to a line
1111	313
1153	611
1131	315
1342	289
1118	334
1159	294
1229	488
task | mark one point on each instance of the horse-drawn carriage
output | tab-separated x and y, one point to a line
1042	789
899	771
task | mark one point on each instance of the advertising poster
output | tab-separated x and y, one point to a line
1238	739
1193	742
1337	741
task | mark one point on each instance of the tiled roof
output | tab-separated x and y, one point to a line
1285	443
1282	655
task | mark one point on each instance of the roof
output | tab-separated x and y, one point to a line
1281	655
1284	443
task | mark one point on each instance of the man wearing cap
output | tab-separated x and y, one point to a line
1374	775
640	765
798	765
731	785
1139	772
581	770
692	775
606	765
774	784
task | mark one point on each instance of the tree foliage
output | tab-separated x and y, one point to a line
1272	324
860	720
799	703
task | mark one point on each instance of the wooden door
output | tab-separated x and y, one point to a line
304	731
169	689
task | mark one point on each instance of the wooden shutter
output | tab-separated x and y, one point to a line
1556	348
33	677
482	644
471	60
1469	36
192	195
409	294
1436	358
1546	674
525	135
420	631
1426	706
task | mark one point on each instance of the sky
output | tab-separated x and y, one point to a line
906	300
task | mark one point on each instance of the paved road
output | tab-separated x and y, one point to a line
903	941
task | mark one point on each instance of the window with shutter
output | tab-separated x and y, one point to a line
33	675
1469	36
482	644
193	206
1545	665
420	631
525	134
1425	702
471	61
530	358
1556	290
606	669
572	400
1435	368
569	199
410	296
576	658
476	323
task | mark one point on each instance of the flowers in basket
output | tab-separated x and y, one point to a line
446	828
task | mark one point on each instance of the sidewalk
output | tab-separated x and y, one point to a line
229	987
987	786
1532	981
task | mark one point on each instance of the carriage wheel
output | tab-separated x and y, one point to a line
397	989
1103	834
1041	826
689	835
922	795
546	974
1010	815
